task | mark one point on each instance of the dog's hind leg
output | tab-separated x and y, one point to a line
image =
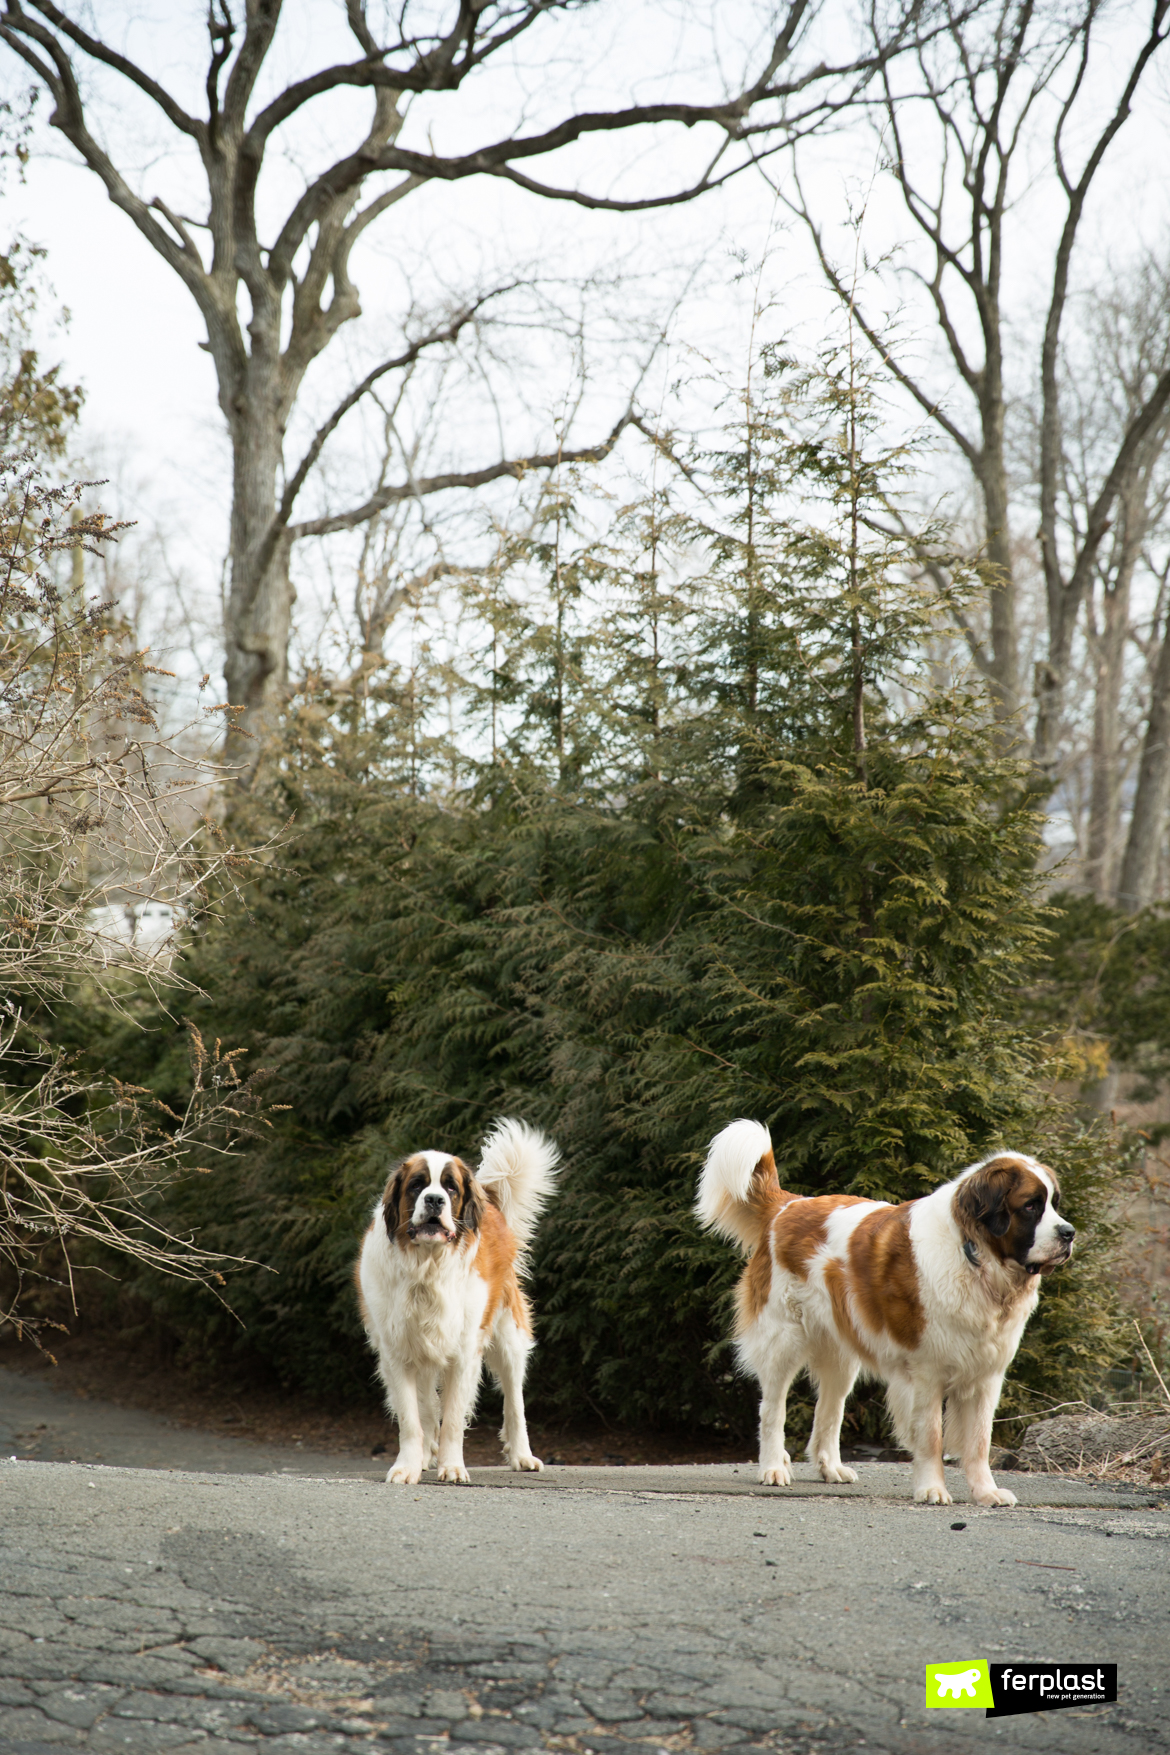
775	1359
834	1374
969	1414
507	1355
460	1383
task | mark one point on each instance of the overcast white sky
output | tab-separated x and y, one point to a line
134	333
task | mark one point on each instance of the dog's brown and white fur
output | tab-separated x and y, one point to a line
931	1296
440	1293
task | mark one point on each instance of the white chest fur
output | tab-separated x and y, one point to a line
426	1303
975	1312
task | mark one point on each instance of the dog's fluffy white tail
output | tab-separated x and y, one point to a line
730	1197
519	1164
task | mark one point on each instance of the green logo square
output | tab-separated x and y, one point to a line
959	1684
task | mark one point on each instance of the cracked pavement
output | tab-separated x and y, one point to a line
151	1611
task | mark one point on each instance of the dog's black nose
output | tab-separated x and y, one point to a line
1066	1232
434	1202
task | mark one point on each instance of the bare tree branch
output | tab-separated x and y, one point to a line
981	80
434	338
298	307
1050	438
17	20
426	485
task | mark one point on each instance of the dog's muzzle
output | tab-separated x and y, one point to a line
1064	1252
431	1228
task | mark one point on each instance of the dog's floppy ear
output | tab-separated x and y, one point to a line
472	1201
392	1200
981	1200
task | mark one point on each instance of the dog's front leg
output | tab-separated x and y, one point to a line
917	1411
460	1382
428	1405
969	1420
402	1393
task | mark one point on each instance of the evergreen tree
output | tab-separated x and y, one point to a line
724	844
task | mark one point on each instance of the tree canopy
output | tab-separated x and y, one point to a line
725	841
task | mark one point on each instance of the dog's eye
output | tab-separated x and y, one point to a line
416	1185
449	1184
1056	1203
1035	1206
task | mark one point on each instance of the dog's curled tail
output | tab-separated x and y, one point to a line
519	1164
738	1185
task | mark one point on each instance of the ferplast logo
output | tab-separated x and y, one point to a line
1047	1687
1004	1690
959	1684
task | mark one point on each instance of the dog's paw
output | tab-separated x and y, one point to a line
404	1474
780	1476
836	1471
995	1496
527	1461
454	1471
932	1496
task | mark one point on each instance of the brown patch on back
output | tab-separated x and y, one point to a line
801	1229
765	1194
883	1276
517	1303
755	1284
495	1262
795	1230
764	1200
837	1286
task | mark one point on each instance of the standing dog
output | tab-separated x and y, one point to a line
438	1283
932	1296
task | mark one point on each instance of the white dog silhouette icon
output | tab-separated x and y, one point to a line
956	1682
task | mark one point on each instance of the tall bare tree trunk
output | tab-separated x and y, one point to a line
1105	789
1108	649
258	611
1002	667
981	84
1138	883
274	293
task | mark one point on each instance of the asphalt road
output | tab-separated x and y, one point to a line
618	1611
46	1424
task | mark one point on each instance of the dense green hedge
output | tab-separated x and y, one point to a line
737	851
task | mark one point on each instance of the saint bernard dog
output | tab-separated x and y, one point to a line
931	1296
438	1282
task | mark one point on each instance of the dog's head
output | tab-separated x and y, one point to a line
432	1200
1010	1207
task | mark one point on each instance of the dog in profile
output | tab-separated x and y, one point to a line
438	1282
931	1296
